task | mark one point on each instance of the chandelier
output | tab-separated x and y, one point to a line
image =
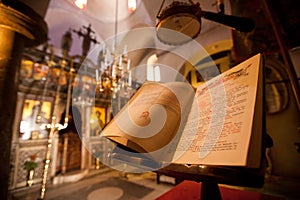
113	73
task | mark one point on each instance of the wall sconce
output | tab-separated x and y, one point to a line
180	22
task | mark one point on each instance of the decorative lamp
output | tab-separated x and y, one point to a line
180	22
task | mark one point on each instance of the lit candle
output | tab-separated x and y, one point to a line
100	82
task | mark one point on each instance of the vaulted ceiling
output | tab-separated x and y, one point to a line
63	15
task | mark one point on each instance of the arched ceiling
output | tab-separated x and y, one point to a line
63	15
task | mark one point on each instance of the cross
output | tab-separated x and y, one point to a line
87	38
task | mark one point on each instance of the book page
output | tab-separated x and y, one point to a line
223	119
152	118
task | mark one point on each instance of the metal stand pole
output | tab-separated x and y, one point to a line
210	191
54	126
48	159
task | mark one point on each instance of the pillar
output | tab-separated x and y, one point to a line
20	27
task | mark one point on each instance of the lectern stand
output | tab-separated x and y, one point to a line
210	190
208	176
211	176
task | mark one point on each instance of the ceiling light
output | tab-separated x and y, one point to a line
81	4
115	67
131	5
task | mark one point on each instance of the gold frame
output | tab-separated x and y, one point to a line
29	129
95	125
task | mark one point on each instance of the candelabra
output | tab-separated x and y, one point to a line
55	126
115	67
113	74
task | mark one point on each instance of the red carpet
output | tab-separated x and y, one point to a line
190	190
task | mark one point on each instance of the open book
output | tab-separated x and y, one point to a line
219	123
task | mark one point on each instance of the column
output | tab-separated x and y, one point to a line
17	30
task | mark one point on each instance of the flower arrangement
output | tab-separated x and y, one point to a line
31	163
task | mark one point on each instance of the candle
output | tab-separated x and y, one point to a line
46	82
120	62
113	73
128	64
129	79
58	87
97	75
69	95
